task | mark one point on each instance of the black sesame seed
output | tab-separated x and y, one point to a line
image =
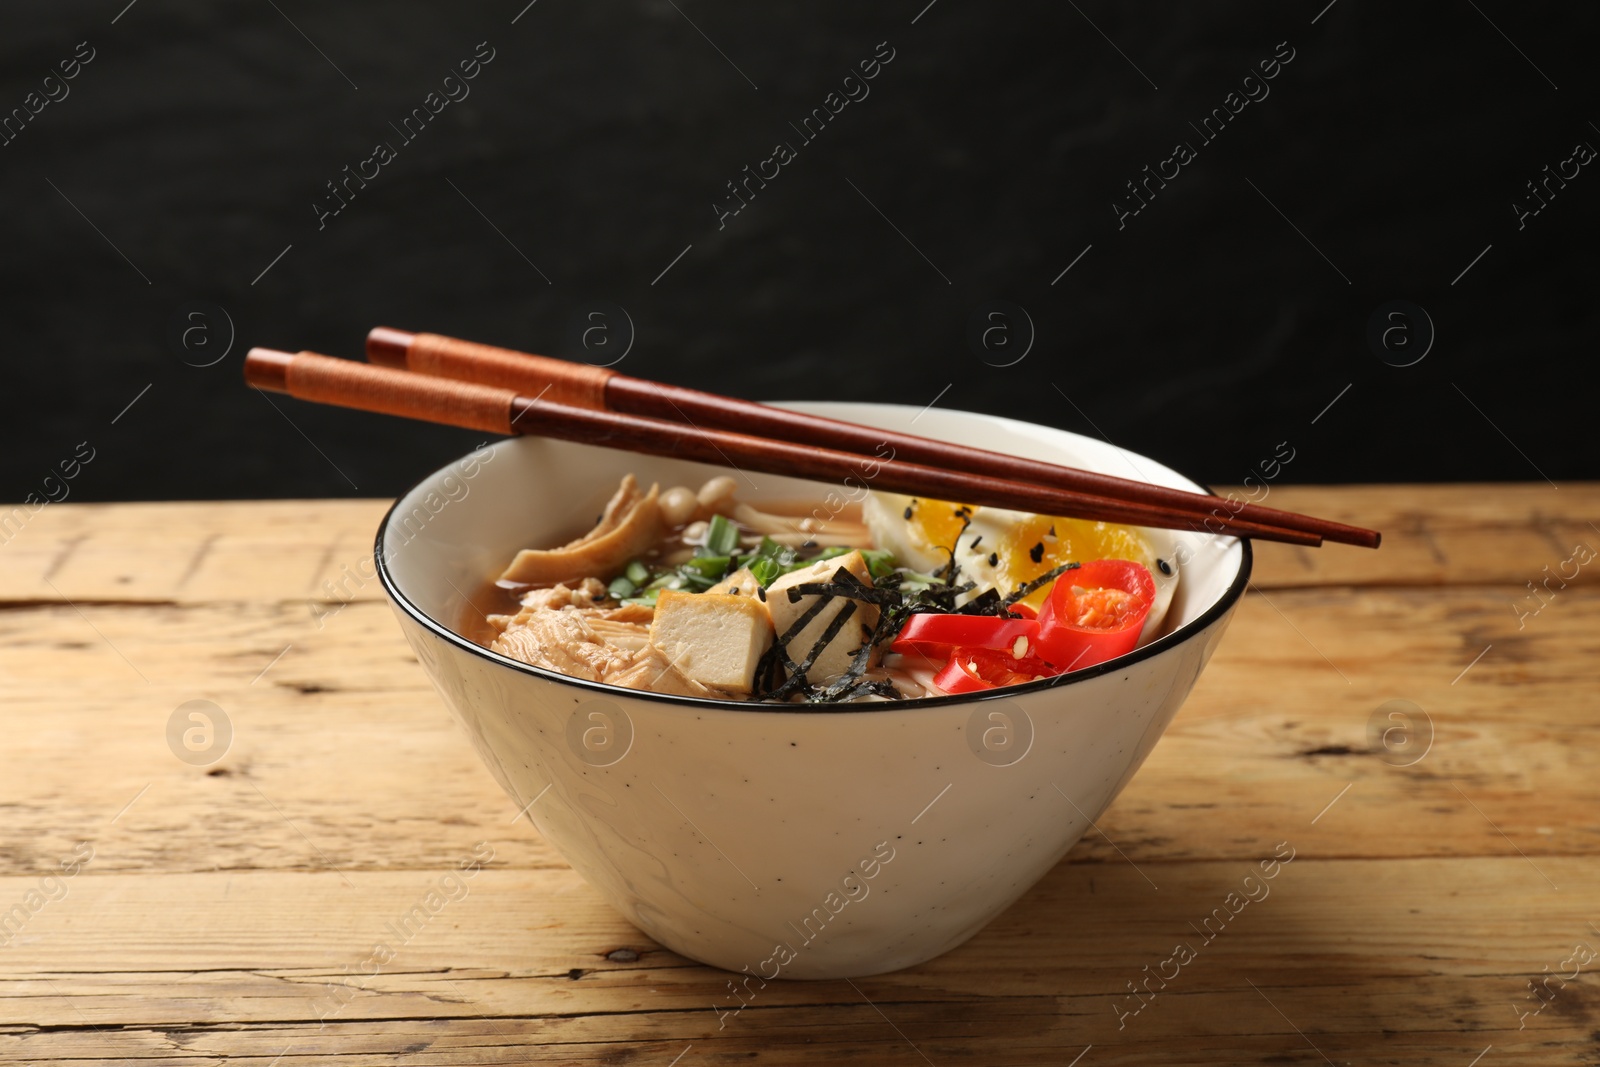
977	541
1052	529
994	559
908	512
1166	568
1036	553
761	594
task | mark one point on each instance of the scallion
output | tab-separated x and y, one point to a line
879	562
765	568
722	537
709	569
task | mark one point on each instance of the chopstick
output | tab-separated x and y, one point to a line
495	409
604	389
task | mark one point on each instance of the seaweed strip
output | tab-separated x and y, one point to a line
952	570
841	577
1040	582
850	681
864	687
797	681
987	602
779	652
853	589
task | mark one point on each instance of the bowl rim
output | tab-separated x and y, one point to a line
1224	604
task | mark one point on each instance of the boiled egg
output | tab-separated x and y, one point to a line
1002	549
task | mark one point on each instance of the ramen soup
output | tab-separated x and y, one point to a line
696	593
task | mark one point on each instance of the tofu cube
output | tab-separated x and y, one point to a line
836	658
740	583
714	639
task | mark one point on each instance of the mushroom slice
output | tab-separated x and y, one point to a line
630	525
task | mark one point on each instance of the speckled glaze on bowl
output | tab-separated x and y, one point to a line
783	840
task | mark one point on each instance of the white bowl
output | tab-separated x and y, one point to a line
785	840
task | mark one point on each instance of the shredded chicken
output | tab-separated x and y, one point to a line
562	641
584	594
630	524
650	670
561	629
556	629
627	635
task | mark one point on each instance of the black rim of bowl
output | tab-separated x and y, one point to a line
1161	644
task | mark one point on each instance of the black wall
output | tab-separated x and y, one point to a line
1216	323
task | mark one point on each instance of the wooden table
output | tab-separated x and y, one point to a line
230	910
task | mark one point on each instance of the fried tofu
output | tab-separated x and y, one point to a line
740	583
835	658
715	639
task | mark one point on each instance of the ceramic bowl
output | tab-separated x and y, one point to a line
787	841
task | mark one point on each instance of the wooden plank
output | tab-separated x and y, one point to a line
1365	957
1006	1032
193	552
1440	535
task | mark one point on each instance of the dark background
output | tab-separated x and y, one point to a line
592	148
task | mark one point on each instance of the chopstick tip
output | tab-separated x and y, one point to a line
1356	536
268	368
388	347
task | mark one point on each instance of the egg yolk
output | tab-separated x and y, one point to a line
1054	540
1074	541
937	522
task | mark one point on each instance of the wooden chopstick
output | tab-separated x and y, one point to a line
604	389
496	409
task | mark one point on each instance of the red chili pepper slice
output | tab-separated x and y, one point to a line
959	677
972	669
1095	613
934	636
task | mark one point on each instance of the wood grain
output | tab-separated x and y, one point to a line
224	906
